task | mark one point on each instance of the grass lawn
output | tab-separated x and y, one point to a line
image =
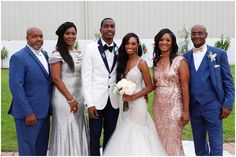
8	130
8	133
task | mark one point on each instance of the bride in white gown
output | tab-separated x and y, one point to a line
135	133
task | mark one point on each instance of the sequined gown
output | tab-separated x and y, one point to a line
69	130
168	107
135	133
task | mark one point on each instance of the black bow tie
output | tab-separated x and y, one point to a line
110	48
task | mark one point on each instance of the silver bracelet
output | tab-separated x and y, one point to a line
71	100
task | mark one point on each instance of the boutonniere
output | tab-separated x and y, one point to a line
116	50
212	56
103	55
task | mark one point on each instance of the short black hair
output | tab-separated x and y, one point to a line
107	18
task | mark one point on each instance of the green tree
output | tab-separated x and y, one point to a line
4	54
144	48
183	44
97	35
223	43
76	45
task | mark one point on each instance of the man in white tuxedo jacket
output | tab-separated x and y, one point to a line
98	77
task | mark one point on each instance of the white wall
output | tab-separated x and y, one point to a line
145	18
49	46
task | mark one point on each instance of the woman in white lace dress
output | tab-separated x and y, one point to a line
135	133
69	129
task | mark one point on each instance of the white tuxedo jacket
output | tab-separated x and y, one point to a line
97	82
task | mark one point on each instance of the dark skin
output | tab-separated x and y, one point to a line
35	40
198	37
184	80
69	38
165	44
131	48
56	78
146	77
108	32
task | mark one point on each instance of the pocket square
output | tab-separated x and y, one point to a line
217	66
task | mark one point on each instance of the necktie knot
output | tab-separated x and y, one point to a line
197	49
110	48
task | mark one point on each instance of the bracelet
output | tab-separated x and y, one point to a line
71	100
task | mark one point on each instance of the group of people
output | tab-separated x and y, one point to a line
197	87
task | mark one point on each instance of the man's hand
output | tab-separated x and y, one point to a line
225	113
30	119
92	111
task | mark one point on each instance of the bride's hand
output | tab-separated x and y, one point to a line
128	98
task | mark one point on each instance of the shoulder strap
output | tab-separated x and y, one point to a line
138	61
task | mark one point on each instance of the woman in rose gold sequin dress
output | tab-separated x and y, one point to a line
171	97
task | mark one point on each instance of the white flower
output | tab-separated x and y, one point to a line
124	87
212	56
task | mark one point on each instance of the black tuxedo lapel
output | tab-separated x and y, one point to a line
38	62
102	53
115	57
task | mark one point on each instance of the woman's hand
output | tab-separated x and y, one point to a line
184	119
73	106
128	98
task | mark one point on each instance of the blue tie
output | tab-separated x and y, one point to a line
110	48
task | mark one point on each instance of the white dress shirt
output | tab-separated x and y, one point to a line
109	55
41	57
198	57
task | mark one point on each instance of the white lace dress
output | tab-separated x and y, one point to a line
135	133
69	130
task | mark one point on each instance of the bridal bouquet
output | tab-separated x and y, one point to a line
124	87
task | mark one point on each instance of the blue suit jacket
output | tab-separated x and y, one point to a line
220	75
30	85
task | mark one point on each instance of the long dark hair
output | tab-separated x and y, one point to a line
62	46
157	52
123	56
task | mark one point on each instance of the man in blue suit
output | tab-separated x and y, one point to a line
30	85
211	93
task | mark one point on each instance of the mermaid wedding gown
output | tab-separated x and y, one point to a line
135	133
